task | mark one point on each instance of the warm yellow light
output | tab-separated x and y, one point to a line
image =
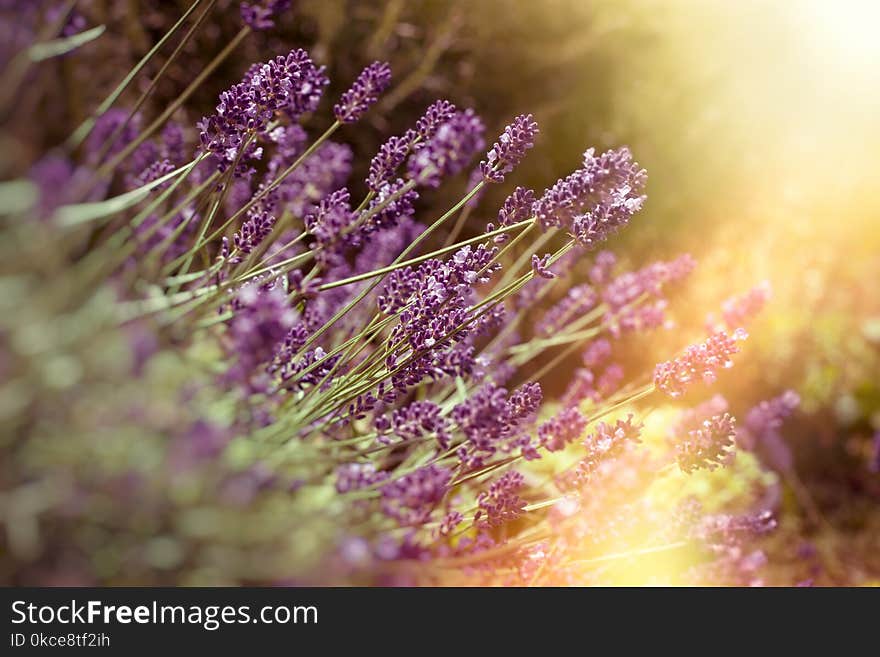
848	28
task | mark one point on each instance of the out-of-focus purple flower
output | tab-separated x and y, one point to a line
635	299
761	432
596	199
597	352
603	266
393	203
354	476
768	415
449	151
261	321
411	499
501	503
98	147
52	175
420	419
364	92
323	172
738	311
565	427
874	466
506	154
700	361
261	14
709	446
579	301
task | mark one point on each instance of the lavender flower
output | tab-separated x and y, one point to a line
596	352
709	446
596	199
510	149
261	14
289	85
449	151
579	300
364	92
606	443
501	503
516	208
565	427
435	116
262	320
354	476
541	266
491	421
389	158
411	499
700	361
421	419
736	312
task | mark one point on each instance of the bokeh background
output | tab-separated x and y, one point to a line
757	122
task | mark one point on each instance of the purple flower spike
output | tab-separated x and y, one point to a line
365	91
709	446
449	151
510	148
501	503
596	199
260	15
700	361
386	162
411	499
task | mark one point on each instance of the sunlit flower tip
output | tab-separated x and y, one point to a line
510	149
607	442
541	266
699	362
708	446
260	15
364	92
738	311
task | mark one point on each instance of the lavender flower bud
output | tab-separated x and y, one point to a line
510	149
364	92
260	15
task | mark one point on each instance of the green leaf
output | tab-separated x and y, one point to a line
74	215
48	49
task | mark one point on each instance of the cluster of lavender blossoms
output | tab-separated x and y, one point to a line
374	381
